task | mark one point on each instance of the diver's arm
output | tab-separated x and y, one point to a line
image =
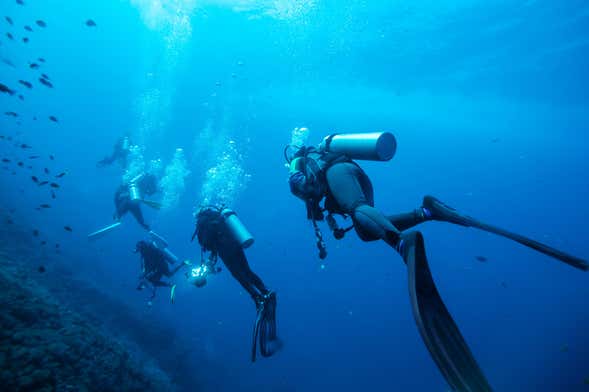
297	179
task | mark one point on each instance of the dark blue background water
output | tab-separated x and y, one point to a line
489	105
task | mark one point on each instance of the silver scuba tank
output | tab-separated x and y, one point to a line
134	192
374	146
237	229
162	245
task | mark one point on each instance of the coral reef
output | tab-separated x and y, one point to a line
45	346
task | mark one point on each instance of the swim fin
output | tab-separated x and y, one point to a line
442	212
152	204
435	324
265	327
99	233
173	294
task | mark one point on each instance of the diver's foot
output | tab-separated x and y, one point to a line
262	300
435	209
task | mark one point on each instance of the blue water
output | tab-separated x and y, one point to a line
490	107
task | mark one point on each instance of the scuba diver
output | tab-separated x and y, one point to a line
120	152
128	197
220	232
329	173
155	257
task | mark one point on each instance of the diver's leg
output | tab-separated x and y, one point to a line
436	326
408	220
234	259
351	189
160	283
254	279
135	209
121	208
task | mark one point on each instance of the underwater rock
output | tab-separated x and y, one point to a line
45	346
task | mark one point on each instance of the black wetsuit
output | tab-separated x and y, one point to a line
154	265
213	235
124	204
120	153
147	186
350	192
347	190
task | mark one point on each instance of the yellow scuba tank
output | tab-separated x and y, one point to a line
374	146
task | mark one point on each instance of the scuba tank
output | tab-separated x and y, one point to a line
134	191
375	146
237	229
162	245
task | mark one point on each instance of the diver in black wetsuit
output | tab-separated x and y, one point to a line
128	197
120	152
220	232
154	266
329	173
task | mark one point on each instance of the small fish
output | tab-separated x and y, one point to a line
28	28
46	82
482	259
20	164
44	76
43	242
34	118
8	62
504	285
45	206
41	59
25	146
90	23
35	179
53	118
25	83
9	36
41	269
20	2
11	114
51	157
25	40
46	171
36	233
67	228
34	66
43	183
9	20
564	348
5	160
29	167
21	97
57	246
53	195
61	174
6	89
34	157
41	23
9	221
54	185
